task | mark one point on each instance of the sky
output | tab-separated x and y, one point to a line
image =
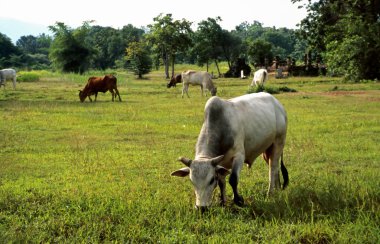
39	14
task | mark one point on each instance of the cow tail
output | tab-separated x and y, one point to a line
284	172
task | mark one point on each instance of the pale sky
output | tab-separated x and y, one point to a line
117	13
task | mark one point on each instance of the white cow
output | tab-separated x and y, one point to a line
8	74
235	132
201	78
260	77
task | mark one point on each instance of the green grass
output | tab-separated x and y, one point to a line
100	172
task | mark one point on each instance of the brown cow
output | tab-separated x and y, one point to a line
99	84
174	80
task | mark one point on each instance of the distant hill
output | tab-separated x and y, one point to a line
14	29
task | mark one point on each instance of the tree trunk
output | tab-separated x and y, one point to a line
173	61
217	67
166	62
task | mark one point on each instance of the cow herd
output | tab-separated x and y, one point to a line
234	132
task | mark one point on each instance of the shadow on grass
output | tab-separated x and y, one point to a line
307	203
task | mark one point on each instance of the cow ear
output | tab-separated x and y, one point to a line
217	160
222	171
185	161
181	172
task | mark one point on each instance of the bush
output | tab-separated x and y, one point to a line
28	76
269	89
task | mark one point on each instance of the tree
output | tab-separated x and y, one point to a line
107	44
169	37
260	52
35	51
139	59
346	33
28	44
209	39
69	52
283	41
7	50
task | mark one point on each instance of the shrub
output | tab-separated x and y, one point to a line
269	89
28	76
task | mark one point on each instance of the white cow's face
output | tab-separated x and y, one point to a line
204	175
204	178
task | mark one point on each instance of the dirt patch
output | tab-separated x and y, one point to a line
371	95
345	93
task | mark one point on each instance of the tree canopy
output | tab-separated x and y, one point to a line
346	33
343	34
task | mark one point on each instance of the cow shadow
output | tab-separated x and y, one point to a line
301	203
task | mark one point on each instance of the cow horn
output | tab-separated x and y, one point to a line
217	160
185	161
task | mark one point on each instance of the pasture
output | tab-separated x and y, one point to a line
100	172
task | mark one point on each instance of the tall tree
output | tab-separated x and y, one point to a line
209	39
69	52
169	37
107	44
260	52
347	33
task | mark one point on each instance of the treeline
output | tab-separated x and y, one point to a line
344	34
165	42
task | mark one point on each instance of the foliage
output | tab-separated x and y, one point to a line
260	53
347	34
283	42
212	43
138	57
69	52
270	89
74	172
7	50
109	44
35	51
30	76
169	37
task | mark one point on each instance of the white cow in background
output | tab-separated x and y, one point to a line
260	77
8	74
201	78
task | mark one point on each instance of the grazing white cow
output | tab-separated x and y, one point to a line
8	74
201	78
260	77
235	132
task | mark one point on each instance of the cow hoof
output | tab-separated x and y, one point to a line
239	201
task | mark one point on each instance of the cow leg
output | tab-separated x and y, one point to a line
185	87
117	93
201	90
14	83
234	178
89	98
222	187
274	167
113	95
96	96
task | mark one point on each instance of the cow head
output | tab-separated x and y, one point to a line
174	80
171	83
82	96
204	174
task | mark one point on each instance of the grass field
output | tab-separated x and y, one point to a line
100	172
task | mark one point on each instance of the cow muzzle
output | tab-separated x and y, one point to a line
201	208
